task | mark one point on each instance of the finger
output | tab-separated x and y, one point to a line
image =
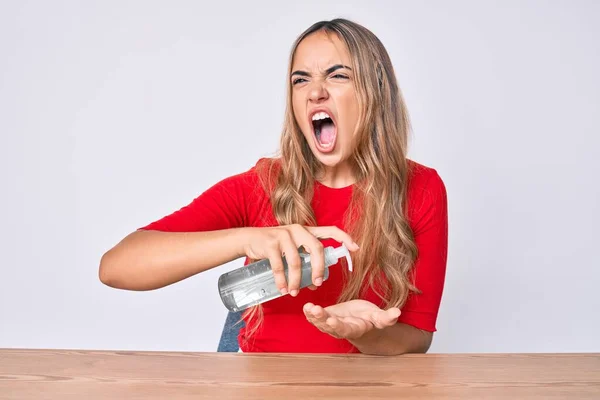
335	327
315	313
317	316
292	259
274	255
313	247
312	287
306	309
382	319
317	259
394	313
348	328
351	327
333	232
319	313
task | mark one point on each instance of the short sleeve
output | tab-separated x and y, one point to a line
428	210
222	206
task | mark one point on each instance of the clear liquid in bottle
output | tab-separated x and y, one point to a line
254	284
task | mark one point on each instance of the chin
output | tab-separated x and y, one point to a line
329	159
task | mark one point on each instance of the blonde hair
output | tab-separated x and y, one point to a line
377	215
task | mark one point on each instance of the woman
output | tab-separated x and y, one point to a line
342	177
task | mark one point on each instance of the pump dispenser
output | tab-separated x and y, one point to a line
254	283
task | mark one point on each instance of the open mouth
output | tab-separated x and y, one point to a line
325	130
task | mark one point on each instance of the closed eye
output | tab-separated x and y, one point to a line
336	76
298	80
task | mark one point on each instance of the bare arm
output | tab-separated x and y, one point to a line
370	329
396	339
147	260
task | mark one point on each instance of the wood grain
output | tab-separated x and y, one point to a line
92	375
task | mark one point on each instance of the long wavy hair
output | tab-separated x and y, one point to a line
377	217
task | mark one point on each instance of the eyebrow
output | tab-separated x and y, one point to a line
327	71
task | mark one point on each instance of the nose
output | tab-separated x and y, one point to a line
318	93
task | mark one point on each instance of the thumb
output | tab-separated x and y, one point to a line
382	319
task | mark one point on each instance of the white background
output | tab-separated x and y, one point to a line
115	113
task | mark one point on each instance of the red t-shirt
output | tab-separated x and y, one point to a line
240	201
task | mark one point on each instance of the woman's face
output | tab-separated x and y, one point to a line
323	97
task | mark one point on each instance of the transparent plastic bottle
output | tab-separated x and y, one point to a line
254	283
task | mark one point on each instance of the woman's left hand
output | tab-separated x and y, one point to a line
351	319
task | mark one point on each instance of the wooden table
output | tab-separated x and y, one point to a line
92	375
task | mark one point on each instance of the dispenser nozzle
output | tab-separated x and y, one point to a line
339	252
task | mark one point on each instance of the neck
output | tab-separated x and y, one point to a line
338	176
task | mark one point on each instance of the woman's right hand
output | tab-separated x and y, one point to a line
273	243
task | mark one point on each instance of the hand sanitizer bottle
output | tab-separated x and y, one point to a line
254	283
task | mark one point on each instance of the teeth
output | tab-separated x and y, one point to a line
320	115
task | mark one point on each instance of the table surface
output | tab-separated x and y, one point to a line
90	375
